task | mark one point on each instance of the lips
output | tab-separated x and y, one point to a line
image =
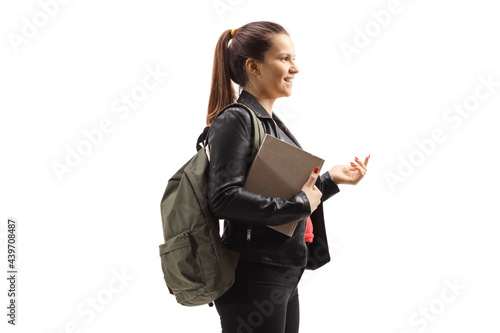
289	79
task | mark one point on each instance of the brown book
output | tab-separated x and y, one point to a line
280	170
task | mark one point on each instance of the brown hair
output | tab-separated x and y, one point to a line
252	40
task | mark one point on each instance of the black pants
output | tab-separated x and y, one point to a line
263	299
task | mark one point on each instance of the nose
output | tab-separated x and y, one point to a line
294	68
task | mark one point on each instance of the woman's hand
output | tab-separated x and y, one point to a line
344	174
312	192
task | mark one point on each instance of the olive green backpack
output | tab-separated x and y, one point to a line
197	267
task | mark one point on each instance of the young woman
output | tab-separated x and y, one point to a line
260	58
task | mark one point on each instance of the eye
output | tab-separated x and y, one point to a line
287	58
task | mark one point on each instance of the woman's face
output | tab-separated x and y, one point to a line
278	69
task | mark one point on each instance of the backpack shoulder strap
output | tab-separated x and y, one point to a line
201	142
258	130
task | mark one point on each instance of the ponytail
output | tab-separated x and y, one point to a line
221	90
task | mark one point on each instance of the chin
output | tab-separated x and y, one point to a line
286	92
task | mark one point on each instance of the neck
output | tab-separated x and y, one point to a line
267	103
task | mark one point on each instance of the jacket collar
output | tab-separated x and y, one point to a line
249	100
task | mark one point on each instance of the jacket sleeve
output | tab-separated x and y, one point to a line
327	186
230	145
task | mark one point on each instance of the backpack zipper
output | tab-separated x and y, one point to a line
249	232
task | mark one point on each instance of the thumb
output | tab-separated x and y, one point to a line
312	178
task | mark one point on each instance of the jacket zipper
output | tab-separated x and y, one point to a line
249	232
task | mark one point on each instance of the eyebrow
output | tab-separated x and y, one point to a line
285	53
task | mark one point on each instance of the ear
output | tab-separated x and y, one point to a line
252	66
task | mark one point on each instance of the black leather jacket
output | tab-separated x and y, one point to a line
245	213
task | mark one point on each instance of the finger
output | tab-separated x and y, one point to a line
360	163
358	168
316	189
312	178
367	158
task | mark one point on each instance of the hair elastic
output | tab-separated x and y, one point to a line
232	32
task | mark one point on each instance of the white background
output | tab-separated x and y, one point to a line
393	249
